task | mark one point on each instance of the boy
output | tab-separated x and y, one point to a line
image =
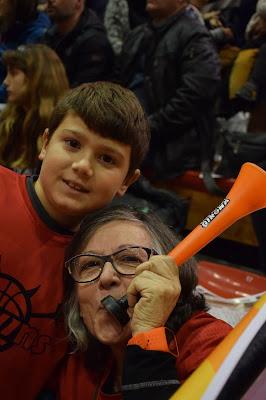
97	137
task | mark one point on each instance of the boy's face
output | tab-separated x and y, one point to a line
81	171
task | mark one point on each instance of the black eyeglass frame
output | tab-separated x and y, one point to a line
107	258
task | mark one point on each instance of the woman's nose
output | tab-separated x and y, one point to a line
109	277
6	81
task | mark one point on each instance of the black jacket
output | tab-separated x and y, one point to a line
182	72
85	51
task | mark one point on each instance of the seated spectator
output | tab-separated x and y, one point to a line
119	250
80	40
172	66
233	14
35	80
20	23
256	39
220	33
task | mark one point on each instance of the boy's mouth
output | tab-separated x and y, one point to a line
76	186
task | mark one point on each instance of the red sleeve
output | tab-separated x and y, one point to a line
75	381
196	339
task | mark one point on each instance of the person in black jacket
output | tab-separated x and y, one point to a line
80	40
172	66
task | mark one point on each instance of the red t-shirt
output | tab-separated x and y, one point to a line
195	339
32	341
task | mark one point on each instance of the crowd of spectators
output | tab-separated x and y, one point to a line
172	54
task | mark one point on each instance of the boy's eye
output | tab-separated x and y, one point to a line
73	143
107	159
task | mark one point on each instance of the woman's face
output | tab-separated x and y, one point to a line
109	238
15	82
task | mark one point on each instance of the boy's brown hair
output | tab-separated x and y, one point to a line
111	111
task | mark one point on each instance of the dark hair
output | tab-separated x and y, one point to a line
111	111
163	240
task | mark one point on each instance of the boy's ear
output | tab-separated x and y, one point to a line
128	182
45	140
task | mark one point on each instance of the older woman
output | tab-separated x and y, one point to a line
117	251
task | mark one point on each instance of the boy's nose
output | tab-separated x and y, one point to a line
109	277
83	166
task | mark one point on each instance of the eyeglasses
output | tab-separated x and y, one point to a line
87	267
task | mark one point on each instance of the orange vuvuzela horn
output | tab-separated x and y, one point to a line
248	194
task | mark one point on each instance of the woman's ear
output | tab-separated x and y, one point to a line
45	141
128	182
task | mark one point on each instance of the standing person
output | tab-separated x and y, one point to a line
172	66
79	38
20	23
35	81
96	139
119	250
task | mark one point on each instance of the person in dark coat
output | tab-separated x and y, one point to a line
80	40
173	67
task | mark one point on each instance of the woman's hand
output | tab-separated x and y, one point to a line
153	293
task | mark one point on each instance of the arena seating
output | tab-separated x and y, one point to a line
190	185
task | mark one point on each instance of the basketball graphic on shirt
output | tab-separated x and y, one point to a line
15	309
